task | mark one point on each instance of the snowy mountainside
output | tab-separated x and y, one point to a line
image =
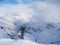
17	42
46	33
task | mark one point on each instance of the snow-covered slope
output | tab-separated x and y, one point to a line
16	42
46	33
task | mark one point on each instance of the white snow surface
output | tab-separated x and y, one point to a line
16	42
19	42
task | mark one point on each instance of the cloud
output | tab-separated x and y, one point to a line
53	1
23	12
37	11
47	12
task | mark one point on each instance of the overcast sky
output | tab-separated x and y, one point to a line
46	10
